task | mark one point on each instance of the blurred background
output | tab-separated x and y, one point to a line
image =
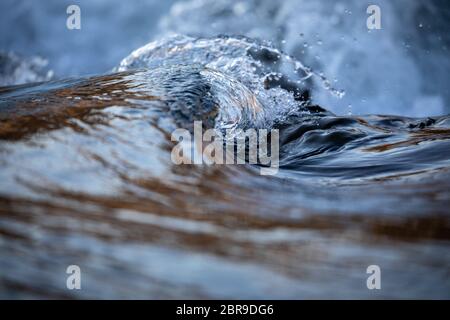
401	69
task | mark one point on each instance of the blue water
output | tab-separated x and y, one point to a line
401	69
86	174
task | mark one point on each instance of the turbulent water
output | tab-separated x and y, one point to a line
87	179
401	69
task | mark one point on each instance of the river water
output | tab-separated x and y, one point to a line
87	177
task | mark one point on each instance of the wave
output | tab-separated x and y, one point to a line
87	178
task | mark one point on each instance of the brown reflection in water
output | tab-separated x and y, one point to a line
222	212
189	222
415	138
57	108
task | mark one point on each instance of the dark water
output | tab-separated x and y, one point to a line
86	178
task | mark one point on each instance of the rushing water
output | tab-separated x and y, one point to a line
87	179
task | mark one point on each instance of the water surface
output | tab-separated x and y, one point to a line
86	178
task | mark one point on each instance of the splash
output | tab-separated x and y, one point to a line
87	178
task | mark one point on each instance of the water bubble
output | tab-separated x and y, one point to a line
338	93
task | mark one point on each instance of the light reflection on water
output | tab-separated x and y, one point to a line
87	179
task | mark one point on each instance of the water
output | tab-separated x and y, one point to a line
371	65
87	179
375	68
